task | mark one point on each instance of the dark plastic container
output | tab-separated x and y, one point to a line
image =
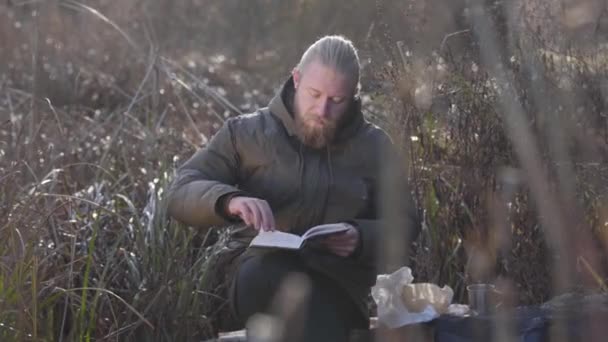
525	324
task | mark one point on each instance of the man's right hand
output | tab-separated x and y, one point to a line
255	212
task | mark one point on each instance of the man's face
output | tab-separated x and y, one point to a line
322	98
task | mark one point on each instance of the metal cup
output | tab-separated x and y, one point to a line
481	298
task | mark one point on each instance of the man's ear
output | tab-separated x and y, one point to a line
295	73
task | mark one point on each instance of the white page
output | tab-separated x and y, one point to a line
324	229
277	239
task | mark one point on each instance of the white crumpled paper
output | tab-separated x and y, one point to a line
392	312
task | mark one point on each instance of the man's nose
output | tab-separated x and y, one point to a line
325	108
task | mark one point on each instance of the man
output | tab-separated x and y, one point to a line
310	158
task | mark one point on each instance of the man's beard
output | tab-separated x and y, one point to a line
314	135
314	131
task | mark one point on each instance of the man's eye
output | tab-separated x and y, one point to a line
337	99
314	94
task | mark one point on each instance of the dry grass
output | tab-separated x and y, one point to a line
100	103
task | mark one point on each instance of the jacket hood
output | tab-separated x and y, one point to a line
281	106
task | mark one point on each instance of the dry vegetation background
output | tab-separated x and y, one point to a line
500	107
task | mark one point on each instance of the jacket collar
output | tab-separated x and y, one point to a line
281	106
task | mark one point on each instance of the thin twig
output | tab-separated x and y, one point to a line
99	206
119	128
185	109
131	308
22	241
92	165
208	90
450	35
59	124
600	282
26	2
74	5
70	281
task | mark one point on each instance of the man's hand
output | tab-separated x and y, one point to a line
342	244
255	212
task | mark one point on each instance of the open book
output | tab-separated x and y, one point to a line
277	239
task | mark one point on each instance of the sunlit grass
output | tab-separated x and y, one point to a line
87	251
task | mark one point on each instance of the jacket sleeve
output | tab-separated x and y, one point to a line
395	223
210	174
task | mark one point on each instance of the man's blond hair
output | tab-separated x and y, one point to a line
335	52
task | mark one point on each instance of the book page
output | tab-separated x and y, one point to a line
325	229
277	239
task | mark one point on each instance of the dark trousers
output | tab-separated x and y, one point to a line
329	313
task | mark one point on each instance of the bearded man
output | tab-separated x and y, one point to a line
309	158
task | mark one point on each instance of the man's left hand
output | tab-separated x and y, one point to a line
342	244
